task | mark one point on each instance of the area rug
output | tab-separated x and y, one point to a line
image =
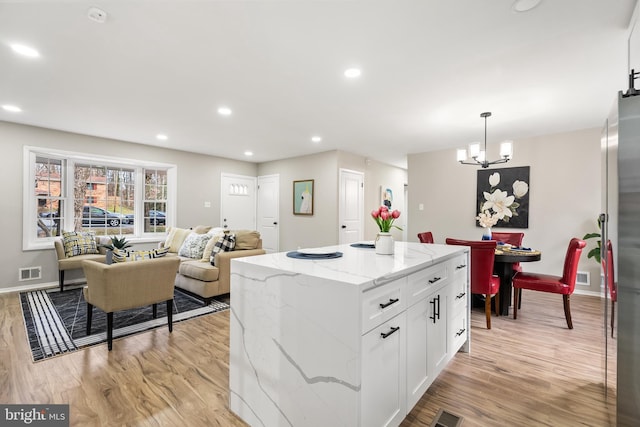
56	321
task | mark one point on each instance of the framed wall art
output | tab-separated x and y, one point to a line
303	197
504	195
386	196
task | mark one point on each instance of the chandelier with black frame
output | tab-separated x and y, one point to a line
477	157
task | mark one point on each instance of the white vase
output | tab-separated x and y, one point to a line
384	243
486	234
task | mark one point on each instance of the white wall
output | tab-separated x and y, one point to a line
564	196
198	181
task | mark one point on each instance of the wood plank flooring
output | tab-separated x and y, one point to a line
527	372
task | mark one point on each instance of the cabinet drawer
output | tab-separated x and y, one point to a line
458	330
382	303
460	265
458	296
423	282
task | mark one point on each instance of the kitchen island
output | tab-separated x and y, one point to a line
348	341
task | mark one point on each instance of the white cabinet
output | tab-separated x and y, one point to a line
427	349
352	341
437	349
383	374
459	294
382	303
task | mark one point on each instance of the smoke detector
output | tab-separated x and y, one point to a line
97	15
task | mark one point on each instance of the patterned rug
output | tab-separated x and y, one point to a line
56	321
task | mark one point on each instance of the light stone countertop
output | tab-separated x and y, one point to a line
360	266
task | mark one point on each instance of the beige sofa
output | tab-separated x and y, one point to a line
198	277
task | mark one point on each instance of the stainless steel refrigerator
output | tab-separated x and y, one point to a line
625	228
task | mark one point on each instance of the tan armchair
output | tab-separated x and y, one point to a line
75	262
126	285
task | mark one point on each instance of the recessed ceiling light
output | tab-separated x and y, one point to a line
525	5
248	153
12	108
25	50
353	73
97	15
316	139
162	137
224	111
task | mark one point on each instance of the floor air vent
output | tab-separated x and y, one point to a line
446	419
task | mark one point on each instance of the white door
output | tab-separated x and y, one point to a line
238	202
351	206
268	211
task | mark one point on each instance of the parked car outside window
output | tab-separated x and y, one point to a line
93	215
157	217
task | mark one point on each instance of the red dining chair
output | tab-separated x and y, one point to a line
611	282
425	237
514	239
483	281
564	284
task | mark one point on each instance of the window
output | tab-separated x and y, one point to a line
48	195
155	200
108	196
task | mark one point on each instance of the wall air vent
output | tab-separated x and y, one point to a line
583	279
29	273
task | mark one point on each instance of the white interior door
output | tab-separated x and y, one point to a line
238	202
268	211
351	201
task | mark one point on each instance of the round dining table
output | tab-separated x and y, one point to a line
503	267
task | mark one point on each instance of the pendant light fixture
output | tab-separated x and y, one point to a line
478	156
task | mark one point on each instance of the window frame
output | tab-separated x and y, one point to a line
30	239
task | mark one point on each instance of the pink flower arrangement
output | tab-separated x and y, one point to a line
384	218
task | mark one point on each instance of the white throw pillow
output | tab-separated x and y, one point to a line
194	245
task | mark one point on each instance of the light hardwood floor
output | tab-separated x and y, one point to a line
527	372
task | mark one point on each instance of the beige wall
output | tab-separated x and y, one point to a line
564	196
322	228
302	231
378	175
198	181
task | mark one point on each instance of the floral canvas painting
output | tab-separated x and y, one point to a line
503	197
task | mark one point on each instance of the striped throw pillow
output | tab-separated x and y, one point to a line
121	255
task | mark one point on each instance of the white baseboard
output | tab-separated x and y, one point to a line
590	293
46	285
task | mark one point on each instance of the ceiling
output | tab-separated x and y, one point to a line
429	68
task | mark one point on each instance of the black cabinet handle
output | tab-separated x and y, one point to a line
433	302
344	226
460	332
435	279
438	306
275	223
460	266
460	295
391	301
385	335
